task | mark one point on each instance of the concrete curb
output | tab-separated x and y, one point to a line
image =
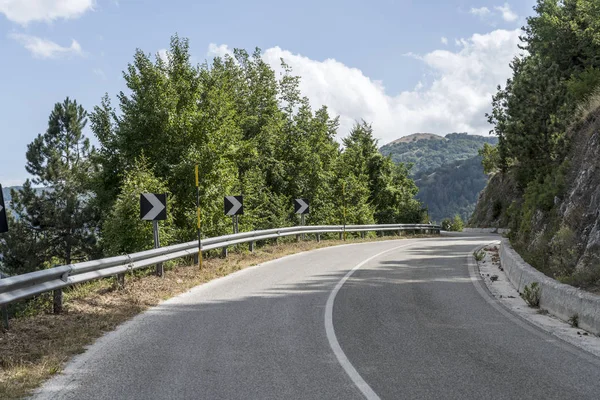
562	301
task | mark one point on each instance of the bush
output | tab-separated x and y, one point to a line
532	294
479	255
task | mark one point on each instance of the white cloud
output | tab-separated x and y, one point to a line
162	54
507	14
444	40
44	48
99	72
218	51
480	12
456	100
26	11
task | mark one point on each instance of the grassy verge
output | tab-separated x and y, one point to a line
38	345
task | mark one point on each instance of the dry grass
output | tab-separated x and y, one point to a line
36	347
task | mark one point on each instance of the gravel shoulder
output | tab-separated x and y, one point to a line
500	287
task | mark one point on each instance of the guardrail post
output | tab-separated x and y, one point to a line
224	252
297	238
251	247
4	309
341	235
57	303
318	237
120	281
362	234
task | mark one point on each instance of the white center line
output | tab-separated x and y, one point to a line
333	342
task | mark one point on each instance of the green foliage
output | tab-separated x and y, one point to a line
249	131
559	70
490	158
479	255
429	154
532	294
457	223
123	231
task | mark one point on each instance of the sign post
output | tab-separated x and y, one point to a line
233	206
198	217
301	207
3	229
3	219
344	207
153	207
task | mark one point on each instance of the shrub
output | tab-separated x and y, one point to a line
574	321
532	294
479	255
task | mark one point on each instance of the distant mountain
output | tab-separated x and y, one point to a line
428	151
6	194
415	137
452	188
447	170
8	197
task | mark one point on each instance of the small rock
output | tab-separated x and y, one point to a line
511	297
179	280
501	269
579	333
500	296
585	333
494	278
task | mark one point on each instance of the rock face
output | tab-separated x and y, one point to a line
580	209
493	202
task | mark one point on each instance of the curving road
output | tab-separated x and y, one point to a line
392	320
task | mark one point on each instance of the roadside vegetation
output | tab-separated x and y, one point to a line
540	117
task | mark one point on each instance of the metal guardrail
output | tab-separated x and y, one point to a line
27	285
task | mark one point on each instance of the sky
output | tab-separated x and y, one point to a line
405	66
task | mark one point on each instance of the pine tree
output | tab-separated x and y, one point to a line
59	160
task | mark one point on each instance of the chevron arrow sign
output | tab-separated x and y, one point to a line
301	206
153	206
234	205
3	222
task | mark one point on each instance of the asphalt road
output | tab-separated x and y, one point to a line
392	320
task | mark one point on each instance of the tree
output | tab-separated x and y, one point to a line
490	158
62	217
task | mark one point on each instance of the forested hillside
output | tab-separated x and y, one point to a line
451	189
549	147
251	133
447	170
427	152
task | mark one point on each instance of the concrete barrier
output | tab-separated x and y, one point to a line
562	301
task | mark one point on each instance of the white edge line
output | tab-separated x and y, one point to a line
330	331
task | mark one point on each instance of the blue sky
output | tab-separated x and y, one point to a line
405	66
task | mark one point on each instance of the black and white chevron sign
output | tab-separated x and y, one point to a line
3	221
301	206
153	206
234	205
